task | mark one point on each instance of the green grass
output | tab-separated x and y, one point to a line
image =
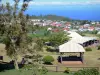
40	33
28	72
57	73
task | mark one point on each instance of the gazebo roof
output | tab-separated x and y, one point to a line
82	39
77	38
73	34
71	47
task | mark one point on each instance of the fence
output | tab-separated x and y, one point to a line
63	68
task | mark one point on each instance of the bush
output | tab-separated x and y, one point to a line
48	48
48	59
87	72
88	49
67	70
98	47
43	71
28	66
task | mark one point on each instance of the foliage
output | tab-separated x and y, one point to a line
67	70
43	71
39	44
14	28
54	38
57	39
88	49
87	72
94	32
28	66
81	33
51	17
48	48
98	47
48	59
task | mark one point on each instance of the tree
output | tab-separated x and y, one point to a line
57	39
14	27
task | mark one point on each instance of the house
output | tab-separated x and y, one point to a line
55	30
68	24
49	29
93	22
58	25
65	29
91	28
86	25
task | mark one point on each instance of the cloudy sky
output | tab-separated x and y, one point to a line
76	9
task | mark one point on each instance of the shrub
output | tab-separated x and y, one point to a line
87	72
43	71
98	47
48	48
48	59
67	70
28	66
88	49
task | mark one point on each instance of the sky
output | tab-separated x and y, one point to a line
75	9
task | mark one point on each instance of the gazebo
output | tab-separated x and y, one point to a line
84	41
71	48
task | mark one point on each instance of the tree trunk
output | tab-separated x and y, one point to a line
16	64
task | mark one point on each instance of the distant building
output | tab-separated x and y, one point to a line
49	29
93	22
66	29
91	28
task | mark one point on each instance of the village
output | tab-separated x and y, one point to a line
76	52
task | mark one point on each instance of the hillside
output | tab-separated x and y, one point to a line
51	17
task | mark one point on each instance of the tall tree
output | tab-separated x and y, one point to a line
14	27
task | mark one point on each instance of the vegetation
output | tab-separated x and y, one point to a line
94	32
14	29
51	17
28	72
43	71
98	35
88	49
58	39
81	33
48	59
87	72
27	66
47	36
67	70
98	47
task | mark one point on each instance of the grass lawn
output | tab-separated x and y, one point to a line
29	72
90	58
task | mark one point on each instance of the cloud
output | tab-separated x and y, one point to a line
64	3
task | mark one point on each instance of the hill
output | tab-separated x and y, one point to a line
51	17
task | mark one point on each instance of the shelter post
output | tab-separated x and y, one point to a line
82	57
61	57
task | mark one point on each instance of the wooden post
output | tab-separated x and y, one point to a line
56	68
61	59
82	56
88	43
